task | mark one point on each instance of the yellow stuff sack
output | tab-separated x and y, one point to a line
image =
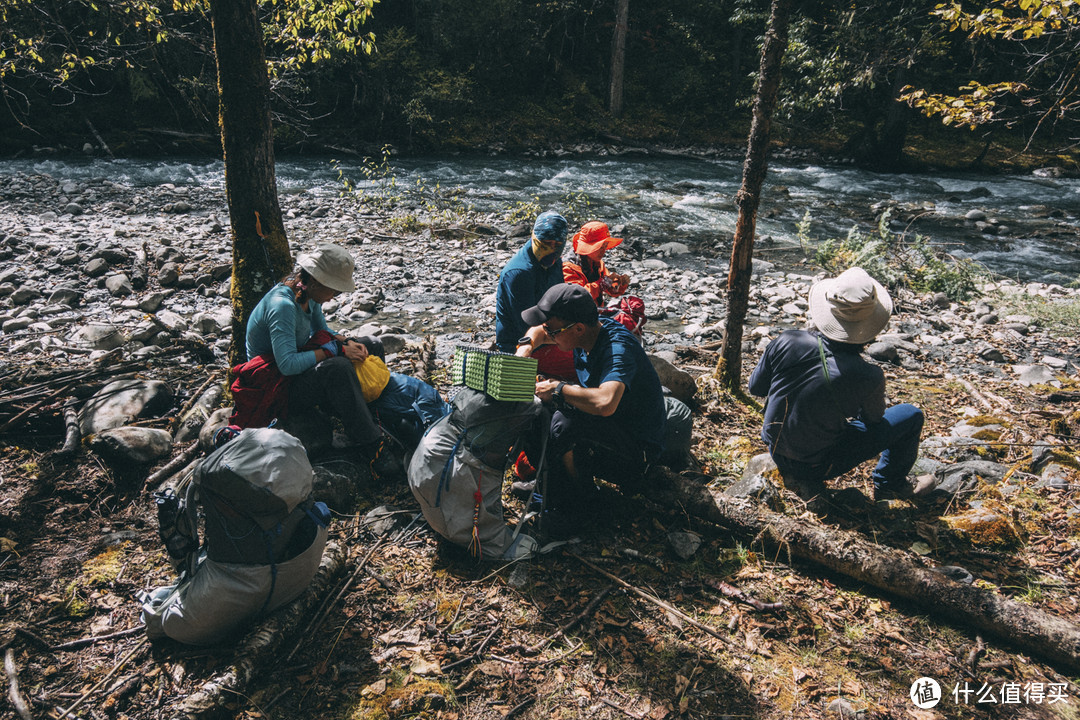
373	375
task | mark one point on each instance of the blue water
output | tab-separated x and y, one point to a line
691	201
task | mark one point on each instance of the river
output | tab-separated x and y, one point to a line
1031	229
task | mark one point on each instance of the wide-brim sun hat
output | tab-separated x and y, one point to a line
851	307
594	239
331	265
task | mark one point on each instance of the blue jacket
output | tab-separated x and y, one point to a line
805	412
522	282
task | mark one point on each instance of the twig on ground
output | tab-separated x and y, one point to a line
72	431
322	612
736	594
973	656
94	688
589	610
83	642
651	598
14	695
179	463
518	708
195	396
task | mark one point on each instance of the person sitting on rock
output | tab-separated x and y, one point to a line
285	321
612	424
825	411
522	282
590	243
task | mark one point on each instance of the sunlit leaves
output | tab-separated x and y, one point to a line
55	46
974	106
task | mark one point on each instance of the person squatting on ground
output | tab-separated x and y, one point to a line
611	425
590	243
286	319
522	282
825	413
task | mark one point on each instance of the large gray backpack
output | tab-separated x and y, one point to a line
264	538
456	473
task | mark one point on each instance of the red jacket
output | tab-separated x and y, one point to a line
260	391
575	275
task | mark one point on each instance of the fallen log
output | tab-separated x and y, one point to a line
1029	629
263	643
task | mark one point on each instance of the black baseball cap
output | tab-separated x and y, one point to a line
569	303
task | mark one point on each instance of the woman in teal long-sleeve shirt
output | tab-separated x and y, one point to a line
285	320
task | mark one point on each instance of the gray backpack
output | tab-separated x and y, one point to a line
264	539
456	473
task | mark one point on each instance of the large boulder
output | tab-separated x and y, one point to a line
122	401
126	446
679	382
98	336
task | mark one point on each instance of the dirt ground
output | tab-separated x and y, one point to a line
420	630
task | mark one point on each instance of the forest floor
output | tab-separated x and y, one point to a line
423	631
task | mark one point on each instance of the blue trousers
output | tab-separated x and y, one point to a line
896	438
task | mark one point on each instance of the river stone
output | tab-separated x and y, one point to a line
384	519
168	274
213	322
338	484
124	446
122	401
25	295
119	285
684	544
96	267
679	382
152	302
760	464
217	420
16	324
992	354
842	709
988	526
756	487
73	209
673	248
173	322
1035	375
964	476
65	296
975	215
1056	477
393	343
98	336
883	351
985	430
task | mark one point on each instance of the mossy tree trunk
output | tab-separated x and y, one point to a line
259	258
729	368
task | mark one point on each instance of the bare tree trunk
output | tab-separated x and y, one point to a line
618	56
729	367
1029	629
259	259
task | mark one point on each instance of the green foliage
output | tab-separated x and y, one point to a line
894	260
1060	315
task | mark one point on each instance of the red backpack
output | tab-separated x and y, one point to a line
630	313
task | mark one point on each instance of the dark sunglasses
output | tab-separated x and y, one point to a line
553	333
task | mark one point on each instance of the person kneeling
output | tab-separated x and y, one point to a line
610	426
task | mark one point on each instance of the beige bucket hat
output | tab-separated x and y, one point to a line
331	265
851	307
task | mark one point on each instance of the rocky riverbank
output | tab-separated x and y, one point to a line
157	260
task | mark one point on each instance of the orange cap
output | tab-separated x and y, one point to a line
593	239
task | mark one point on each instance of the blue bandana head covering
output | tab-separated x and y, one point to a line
549	237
